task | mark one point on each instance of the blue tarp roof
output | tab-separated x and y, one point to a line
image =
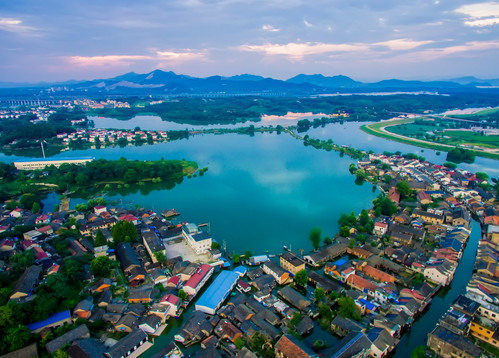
59	316
241	270
340	261
218	290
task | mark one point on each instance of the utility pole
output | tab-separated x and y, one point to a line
43	151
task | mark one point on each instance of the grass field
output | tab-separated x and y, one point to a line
465	137
377	130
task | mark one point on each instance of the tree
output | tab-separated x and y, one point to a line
345	231
325	312
101	266
482	176
348	309
36	208
347	220
364	217
404	189
160	256
215	245
239	342
100	239
27	200
315	237
351	244
319	294
124	231
327	240
182	294
17	337
295	319
301	278
418	352
73	270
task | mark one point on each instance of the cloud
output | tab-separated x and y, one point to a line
402	44
126	60
300	50
307	24
14	25
107	60
270	28
480	14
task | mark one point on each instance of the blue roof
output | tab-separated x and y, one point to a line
454	244
59	316
241	270
218	290
340	262
370	306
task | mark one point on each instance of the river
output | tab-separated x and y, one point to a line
417	335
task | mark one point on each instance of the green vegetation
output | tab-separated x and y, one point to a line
315	237
384	206
124	231
348	309
92	177
301	278
101	266
426	140
460	155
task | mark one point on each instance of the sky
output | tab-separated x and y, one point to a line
368	40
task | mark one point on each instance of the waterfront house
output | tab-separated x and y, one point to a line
171	301
280	275
362	284
291	263
150	324
448	344
344	326
198	279
289	347
127	345
325	254
294	298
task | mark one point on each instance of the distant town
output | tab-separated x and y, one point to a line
102	280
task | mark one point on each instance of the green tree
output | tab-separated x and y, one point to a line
352	168
319	294
124	231
418	352
17	337
482	176
404	189
160	256
73	270
215	245
101	266
351	244
315	237
295	319
348	309
81	207
131	176
301	278
182	294
345	231
239	342
36	208
327	240
27	200
364	217
100	239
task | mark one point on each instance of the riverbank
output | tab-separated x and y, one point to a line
379	129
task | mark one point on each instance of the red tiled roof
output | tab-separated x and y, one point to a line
200	273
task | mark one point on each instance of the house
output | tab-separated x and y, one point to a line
105	298
354	345
27	282
194	329
380	228
280	275
485	329
127	257
382	342
362	284
32	235
101	285
374	273
226	330
441	272
56	320
305	326
171	301
127	345
152	244
159	276
140	295
150	324
243	286
428	217
448	344
344	326
83	309
81	332
218	291
291	263
127	323
87	348
198	279
289	347
199	241
294	298
325	254
30	351
326	284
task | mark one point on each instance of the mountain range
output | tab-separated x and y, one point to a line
159	82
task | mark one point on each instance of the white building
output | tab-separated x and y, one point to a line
199	241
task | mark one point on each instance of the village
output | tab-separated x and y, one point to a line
139	271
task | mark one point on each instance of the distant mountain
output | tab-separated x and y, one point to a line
245	77
327	82
160	82
470	80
